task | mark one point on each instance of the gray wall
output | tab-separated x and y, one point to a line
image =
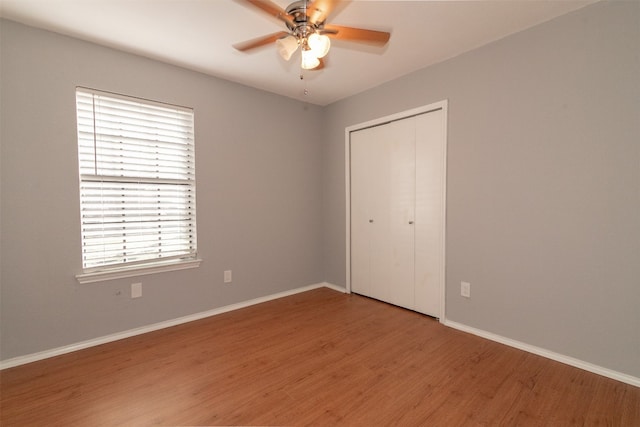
543	196
258	193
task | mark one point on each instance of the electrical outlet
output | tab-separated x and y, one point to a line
227	276
136	290
465	289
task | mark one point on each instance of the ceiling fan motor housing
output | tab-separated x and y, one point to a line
302	25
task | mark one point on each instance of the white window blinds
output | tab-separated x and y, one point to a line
137	180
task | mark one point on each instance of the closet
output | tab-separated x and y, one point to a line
397	203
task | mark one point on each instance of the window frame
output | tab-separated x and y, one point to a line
136	181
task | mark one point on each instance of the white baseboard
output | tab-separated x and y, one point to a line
21	360
546	353
334	287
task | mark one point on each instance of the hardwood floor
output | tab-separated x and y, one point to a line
317	358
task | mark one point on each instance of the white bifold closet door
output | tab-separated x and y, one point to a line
397	212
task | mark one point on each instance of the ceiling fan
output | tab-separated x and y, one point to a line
307	28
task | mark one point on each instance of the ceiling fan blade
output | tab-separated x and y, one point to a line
339	32
260	41
272	9
319	10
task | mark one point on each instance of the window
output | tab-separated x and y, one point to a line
137	183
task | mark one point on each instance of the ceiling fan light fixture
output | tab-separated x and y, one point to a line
287	46
309	59
319	44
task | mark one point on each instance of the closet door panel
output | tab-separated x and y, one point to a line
379	146
361	212
401	205
430	199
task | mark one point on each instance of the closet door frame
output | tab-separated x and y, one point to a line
441	105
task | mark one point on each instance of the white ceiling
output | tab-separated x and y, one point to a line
199	34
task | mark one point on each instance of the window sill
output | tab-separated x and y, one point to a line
120	273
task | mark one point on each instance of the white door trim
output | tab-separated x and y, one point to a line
441	105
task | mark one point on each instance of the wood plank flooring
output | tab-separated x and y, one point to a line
316	358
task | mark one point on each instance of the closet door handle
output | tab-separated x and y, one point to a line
410	222
370	220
